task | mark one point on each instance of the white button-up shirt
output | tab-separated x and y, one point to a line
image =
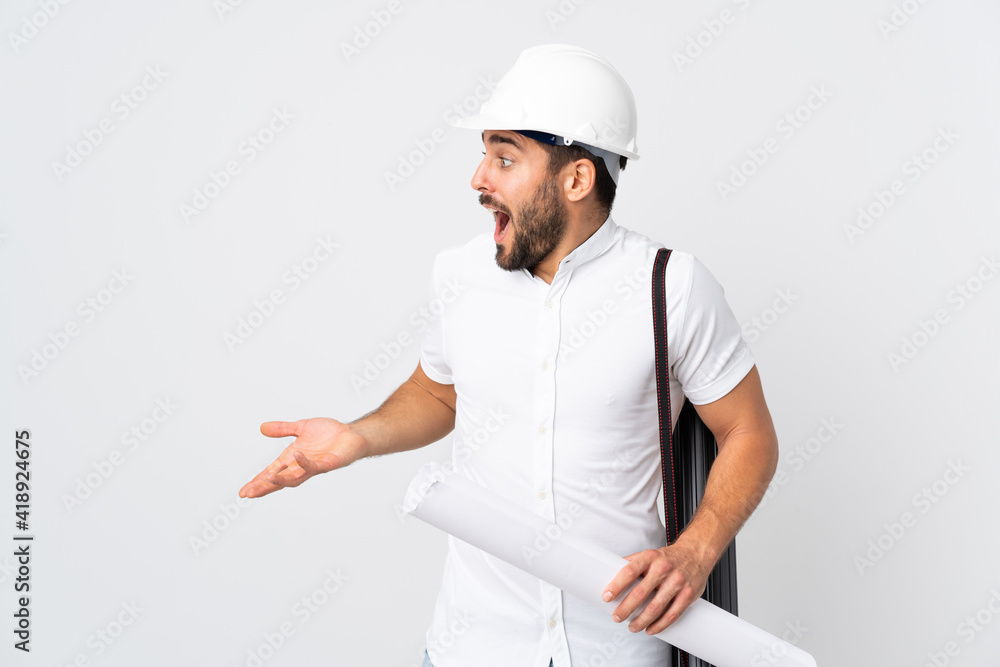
556	410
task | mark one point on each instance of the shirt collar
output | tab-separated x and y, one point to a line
593	246
596	244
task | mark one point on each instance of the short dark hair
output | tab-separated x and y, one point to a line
604	185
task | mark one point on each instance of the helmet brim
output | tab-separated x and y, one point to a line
484	122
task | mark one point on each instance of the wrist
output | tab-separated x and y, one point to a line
365	433
706	537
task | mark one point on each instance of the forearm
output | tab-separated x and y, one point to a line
736	484
410	418
676	575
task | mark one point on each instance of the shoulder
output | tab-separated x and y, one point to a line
690	288
682	266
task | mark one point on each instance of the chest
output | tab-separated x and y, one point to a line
587	343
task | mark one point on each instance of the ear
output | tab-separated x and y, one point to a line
578	179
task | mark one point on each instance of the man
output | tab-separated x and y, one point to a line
544	368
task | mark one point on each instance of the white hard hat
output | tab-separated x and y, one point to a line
566	91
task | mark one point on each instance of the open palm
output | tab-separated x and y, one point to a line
321	444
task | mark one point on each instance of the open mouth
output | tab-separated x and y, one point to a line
502	222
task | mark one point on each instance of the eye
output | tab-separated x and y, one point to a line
505	161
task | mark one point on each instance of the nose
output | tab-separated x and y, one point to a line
480	182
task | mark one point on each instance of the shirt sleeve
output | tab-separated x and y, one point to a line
710	356
432	353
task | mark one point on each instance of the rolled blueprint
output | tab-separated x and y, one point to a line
513	534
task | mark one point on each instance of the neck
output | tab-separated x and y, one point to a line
579	228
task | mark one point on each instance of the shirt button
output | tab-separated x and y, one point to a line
545	365
542	430
542	495
552	623
549	303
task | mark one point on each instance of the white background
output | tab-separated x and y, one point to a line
854	299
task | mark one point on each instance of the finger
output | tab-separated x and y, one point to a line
286	459
256	488
625	576
634	574
290	473
280	429
659	574
291	477
645	587
673	611
303	462
652	612
259	486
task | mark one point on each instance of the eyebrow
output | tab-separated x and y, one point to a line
503	139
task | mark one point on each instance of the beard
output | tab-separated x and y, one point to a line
541	224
